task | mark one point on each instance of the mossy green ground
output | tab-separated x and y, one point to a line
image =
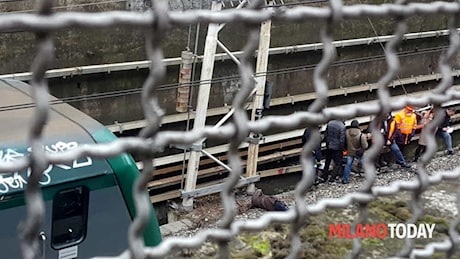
274	242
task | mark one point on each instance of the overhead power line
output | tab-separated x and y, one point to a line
118	1
61	7
172	86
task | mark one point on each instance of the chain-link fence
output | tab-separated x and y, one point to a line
151	139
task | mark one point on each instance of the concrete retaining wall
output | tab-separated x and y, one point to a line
79	47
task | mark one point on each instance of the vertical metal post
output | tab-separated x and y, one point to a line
202	105
258	99
185	72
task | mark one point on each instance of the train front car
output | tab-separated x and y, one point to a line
88	202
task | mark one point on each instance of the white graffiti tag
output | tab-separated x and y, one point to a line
62	147
17	181
10	155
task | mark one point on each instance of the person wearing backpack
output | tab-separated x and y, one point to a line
356	145
402	130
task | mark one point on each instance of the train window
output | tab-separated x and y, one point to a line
70	215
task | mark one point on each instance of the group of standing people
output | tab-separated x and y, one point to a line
351	142
403	128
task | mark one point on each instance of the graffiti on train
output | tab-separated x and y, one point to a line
18	180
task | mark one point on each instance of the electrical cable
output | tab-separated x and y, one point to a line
383	48
118	1
62	7
190	97
359	60
193	83
296	3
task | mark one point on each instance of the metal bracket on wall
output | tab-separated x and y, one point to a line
253	140
345	93
196	147
217	187
120	127
188	147
181	146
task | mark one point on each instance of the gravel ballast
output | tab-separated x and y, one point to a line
441	197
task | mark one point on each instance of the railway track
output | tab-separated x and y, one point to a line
278	154
274	159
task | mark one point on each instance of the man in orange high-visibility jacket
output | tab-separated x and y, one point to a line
402	128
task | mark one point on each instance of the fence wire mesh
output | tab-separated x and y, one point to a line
152	139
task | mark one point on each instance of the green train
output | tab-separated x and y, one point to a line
88	202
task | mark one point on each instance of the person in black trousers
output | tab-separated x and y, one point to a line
316	154
386	157
334	136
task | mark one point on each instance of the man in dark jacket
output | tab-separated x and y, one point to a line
444	129
334	136
316	154
270	203
386	157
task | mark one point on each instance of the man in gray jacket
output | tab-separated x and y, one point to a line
334	136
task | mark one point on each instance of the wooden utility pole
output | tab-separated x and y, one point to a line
258	99
202	105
